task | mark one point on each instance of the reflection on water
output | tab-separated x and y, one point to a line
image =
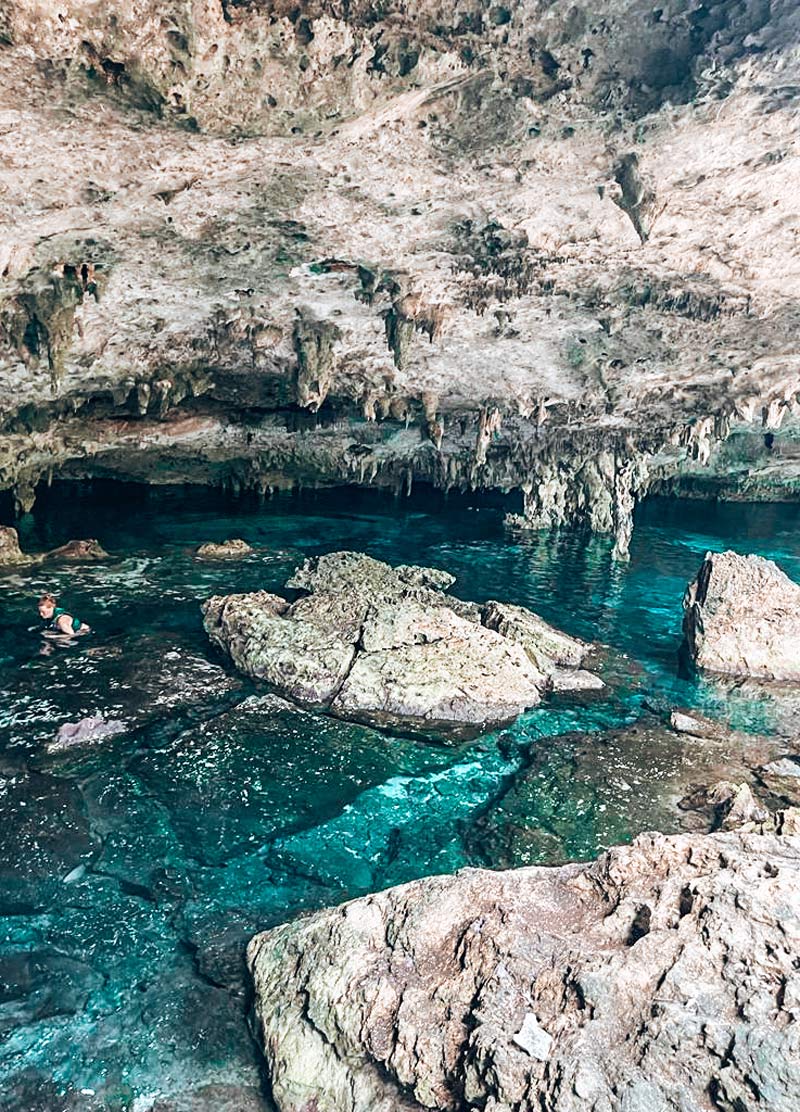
134	868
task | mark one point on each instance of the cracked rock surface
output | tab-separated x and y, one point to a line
387	646
523	247
660	976
742	618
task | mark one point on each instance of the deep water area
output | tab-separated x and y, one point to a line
134	869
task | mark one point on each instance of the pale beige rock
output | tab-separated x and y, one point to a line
11	555
461	675
542	642
391	648
742	618
659	973
235	549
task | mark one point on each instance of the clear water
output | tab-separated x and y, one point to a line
132	871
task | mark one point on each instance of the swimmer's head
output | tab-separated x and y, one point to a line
47	606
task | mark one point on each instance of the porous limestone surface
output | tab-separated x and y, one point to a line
525	247
657	977
389	647
742	618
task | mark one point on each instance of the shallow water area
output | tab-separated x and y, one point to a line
134	868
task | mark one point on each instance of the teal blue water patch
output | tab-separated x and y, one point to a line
135	867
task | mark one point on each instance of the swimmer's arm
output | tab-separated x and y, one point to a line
64	623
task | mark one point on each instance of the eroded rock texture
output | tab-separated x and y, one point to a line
387	646
742	618
661	977
523	246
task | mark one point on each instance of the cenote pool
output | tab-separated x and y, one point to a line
134	870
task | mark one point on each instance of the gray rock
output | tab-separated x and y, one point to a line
90	729
387	646
545	645
300	658
460	674
742	618
659	973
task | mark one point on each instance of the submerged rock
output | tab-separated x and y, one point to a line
586	791
566	989
91	729
235	549
387	646
45	837
82	551
742	618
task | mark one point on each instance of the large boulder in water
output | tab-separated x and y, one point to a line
644	981
742	618
429	665
383	645
304	659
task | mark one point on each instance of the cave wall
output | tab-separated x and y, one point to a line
549	248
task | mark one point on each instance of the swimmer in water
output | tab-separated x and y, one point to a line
57	621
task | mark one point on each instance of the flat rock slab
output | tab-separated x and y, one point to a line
643	981
388	646
742	618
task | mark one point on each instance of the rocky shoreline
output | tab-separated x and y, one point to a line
660	976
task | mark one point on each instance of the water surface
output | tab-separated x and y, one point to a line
133	871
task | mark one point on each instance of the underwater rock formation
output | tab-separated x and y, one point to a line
649	979
388	647
516	247
742	618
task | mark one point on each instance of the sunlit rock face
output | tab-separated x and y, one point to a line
520	246
641	981
742	618
388	647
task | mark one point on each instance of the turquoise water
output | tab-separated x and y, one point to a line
132	871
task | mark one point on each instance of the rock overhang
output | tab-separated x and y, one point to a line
618	274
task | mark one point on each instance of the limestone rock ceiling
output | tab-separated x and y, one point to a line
544	247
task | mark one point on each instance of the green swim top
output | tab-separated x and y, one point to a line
59	612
